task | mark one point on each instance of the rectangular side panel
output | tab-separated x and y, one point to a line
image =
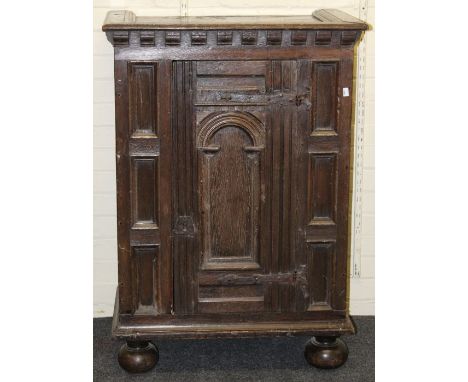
143	98
145	271
321	193
324	95
145	203
320	275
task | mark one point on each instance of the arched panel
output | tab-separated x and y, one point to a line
231	146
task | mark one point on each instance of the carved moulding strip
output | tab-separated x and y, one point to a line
173	38
215	121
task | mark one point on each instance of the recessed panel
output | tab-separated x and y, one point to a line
228	82
229	292
245	84
145	190
145	268
231	305
143	106
231	68
321	194
320	261
230	199
325	93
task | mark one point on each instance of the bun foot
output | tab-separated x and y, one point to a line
138	356
326	352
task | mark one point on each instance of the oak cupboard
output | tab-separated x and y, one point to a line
233	140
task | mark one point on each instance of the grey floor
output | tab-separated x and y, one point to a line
261	359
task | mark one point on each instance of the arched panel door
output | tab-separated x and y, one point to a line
231	153
256	171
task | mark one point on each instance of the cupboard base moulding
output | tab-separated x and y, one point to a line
154	327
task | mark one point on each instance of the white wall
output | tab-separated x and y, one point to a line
105	246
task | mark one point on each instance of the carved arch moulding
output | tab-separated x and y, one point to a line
243	120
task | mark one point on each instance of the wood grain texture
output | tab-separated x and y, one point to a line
231	181
143	98
230	198
145	203
320	268
325	94
322	188
320	19
233	161
184	178
126	301
250	324
145	270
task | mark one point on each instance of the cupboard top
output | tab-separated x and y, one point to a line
320	19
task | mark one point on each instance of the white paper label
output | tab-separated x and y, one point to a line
345	92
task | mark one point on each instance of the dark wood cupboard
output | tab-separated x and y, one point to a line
233	140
